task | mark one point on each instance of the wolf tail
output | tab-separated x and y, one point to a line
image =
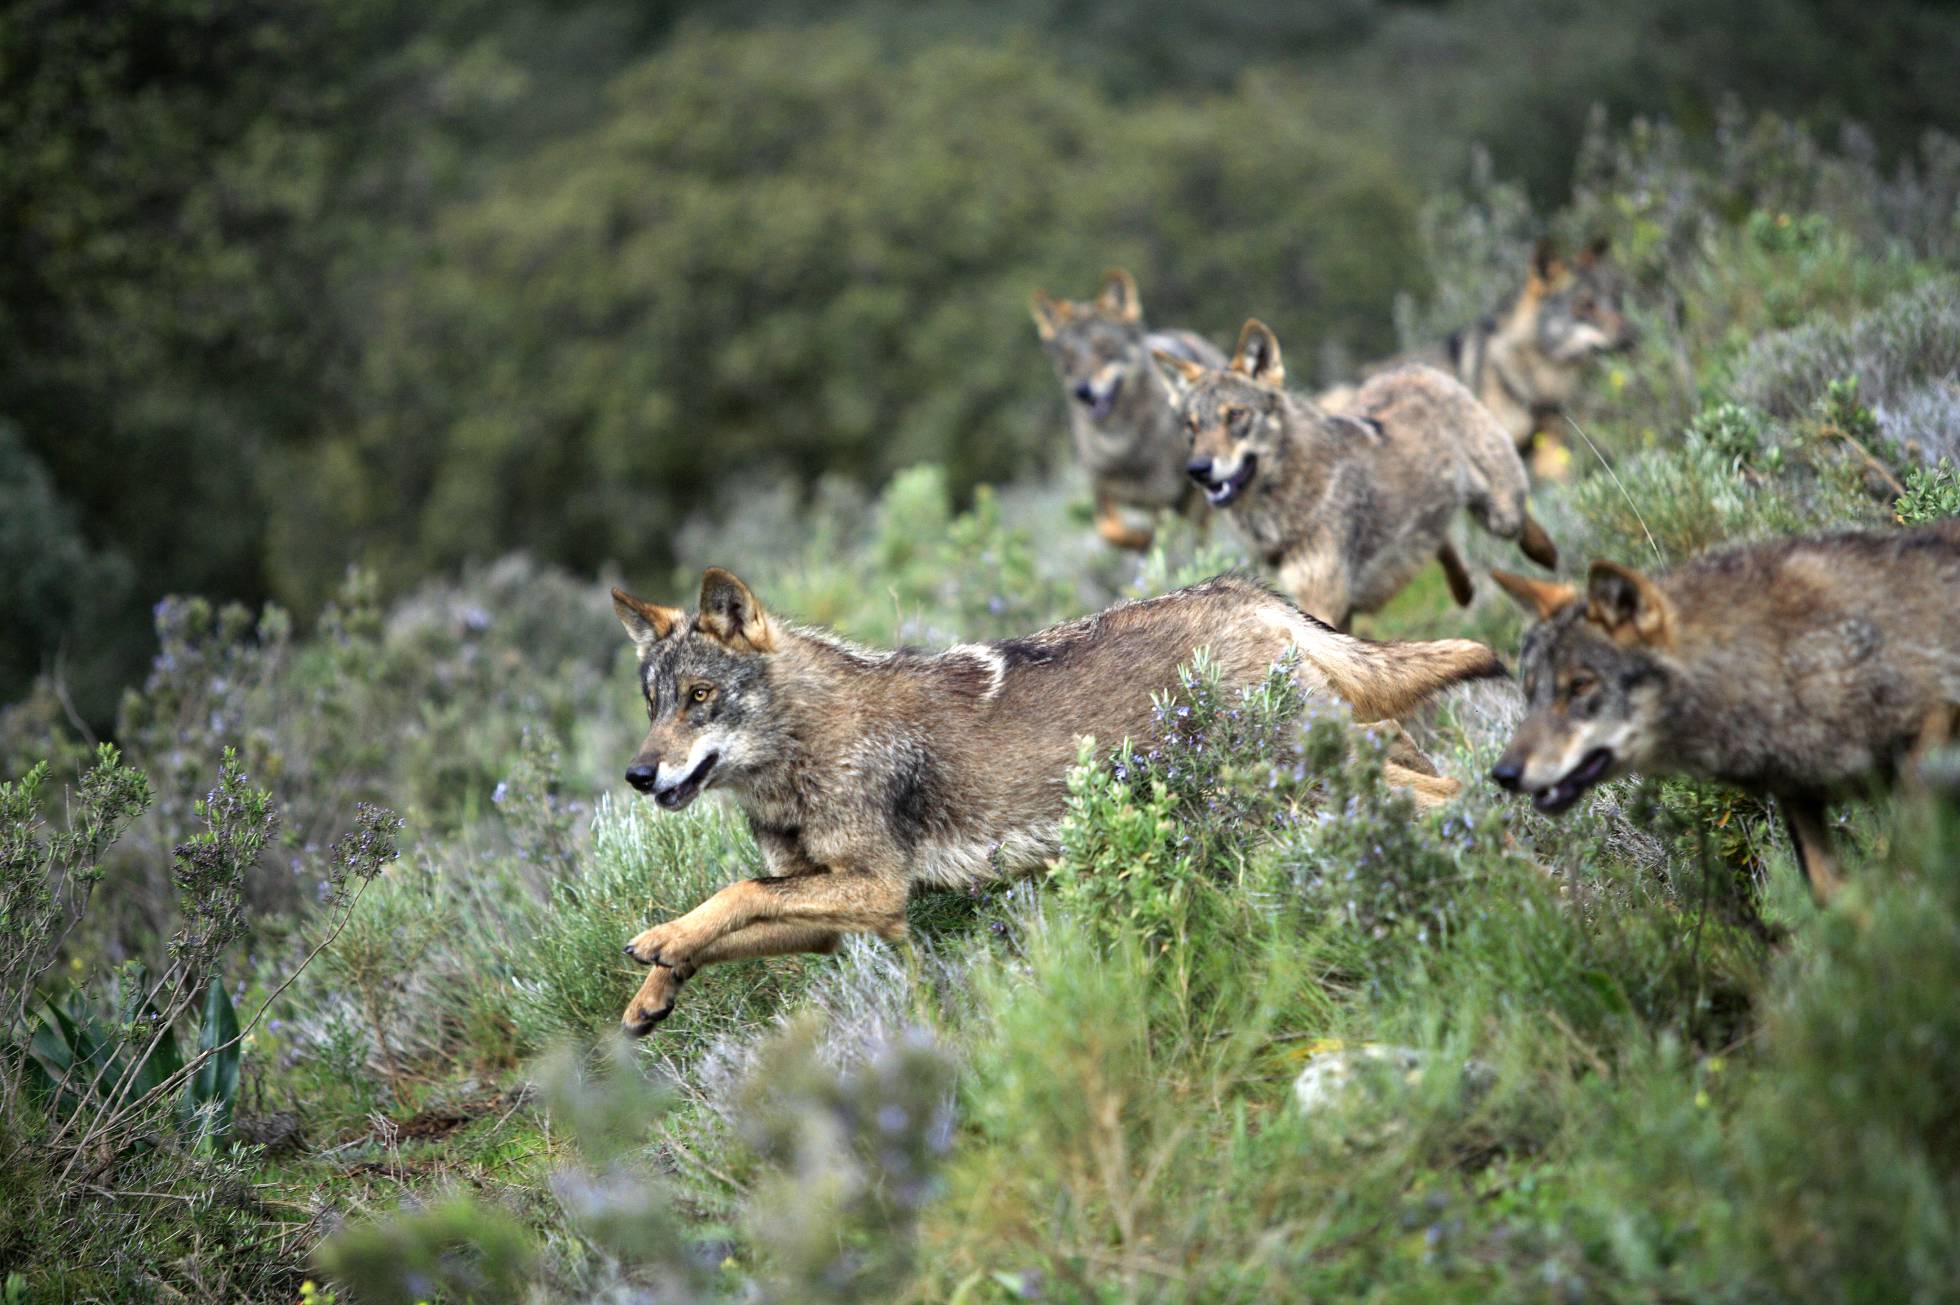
1386	681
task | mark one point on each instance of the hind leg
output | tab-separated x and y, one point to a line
1536	544
1457	574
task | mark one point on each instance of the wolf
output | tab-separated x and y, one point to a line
1346	507
1526	359
1120	411
865	775
1800	670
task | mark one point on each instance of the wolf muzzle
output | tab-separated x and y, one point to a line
670	790
1100	401
1221	491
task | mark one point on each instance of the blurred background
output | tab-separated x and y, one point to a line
290	287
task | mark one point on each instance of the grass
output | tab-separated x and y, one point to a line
1648	1069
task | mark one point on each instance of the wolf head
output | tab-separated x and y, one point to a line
1578	313
1235	417
1595	678
1097	347
708	695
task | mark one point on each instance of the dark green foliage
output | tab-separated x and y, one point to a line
1932	494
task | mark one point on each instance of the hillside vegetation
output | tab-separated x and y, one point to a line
391	848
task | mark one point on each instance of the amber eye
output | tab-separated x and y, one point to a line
1580	686
700	693
1239	422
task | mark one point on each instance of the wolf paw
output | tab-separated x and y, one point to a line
662	944
653	1003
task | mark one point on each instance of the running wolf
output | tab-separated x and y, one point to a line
1346	507
1527	359
865	775
1799	669
1120	411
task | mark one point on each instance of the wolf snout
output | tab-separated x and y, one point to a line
642	775
1084	391
1199	469
1507	775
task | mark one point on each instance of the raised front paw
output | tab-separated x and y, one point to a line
662	944
653	1003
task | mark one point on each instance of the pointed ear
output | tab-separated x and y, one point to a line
730	613
1258	354
1594	251
1628	606
1541	598
1182	373
1048	313
1547	265
646	623
1118	297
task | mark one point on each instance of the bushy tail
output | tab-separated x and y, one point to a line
1386	681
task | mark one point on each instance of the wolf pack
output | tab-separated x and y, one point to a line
1803	670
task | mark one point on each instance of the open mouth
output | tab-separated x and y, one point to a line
1218	493
688	787
1101	402
1557	797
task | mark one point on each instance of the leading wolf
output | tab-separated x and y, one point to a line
1121	413
866	774
1801	669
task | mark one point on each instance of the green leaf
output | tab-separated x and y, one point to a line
216	1082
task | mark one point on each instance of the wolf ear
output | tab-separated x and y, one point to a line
1541	598
646	623
1182	373
1258	354
1118	297
1547	265
1049	313
1628	606
731	614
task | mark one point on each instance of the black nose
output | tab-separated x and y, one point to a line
1084	393
641	775
1199	469
1507	774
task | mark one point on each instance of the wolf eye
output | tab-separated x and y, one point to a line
700	693
1238	421
1580	686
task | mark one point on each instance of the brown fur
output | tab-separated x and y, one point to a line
1346	507
1801	669
865	775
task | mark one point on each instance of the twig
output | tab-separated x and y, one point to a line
1577	430
1884	472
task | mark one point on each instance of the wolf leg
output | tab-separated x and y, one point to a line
849	901
1114	530
655	999
1537	545
1812	839
1457	574
1427	790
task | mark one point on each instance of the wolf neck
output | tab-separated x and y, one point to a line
1514	364
1142	422
813	676
1293	479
